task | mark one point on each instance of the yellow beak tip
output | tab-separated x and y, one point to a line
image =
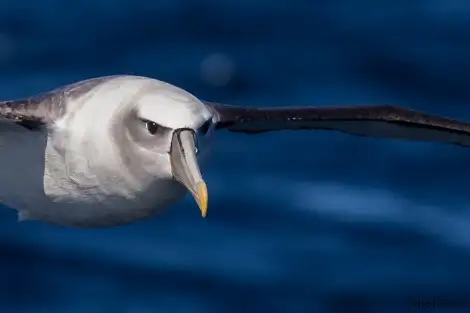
202	198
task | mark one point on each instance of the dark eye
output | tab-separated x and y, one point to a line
205	127
152	127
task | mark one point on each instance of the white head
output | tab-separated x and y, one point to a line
138	131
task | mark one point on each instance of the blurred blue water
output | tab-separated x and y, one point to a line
293	227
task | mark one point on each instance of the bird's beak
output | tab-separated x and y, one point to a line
185	167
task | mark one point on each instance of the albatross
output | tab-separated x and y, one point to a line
112	150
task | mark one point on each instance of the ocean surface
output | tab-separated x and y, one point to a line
298	221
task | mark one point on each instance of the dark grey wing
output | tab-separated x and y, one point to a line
383	121
44	108
24	112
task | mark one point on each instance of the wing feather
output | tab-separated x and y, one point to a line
383	121
46	107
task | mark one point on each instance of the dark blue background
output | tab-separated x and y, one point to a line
298	221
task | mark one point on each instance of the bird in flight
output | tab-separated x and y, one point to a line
112	150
